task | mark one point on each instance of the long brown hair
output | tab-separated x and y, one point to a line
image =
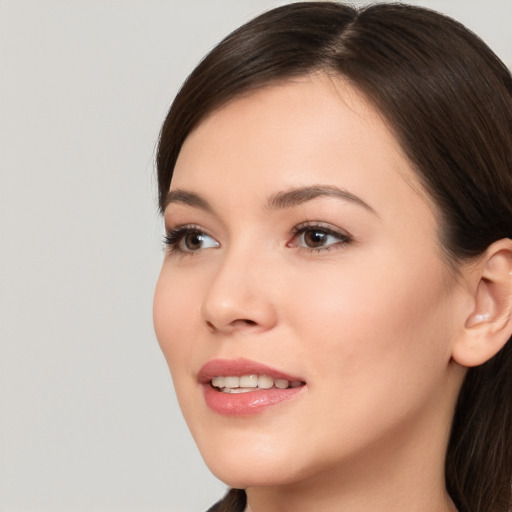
448	99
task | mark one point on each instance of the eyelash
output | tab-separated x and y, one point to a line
299	230
175	237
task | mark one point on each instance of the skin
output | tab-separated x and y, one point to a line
369	324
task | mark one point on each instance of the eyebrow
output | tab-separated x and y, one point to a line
280	200
296	196
187	198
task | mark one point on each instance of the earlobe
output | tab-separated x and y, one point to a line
488	327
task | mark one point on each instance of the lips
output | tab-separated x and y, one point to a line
242	387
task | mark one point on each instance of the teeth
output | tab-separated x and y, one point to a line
218	382
237	390
231	382
265	382
246	383
281	383
249	381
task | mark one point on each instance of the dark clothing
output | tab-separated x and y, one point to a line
234	501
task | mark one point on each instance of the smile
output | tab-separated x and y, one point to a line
241	387
253	382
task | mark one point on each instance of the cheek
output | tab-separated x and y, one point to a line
377	349
174	322
390	323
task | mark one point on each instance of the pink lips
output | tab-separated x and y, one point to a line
243	404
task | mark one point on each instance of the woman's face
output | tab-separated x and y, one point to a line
304	253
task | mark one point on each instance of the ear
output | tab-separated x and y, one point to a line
488	327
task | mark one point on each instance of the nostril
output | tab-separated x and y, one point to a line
234	325
242	322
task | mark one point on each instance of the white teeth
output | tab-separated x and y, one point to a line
265	382
249	381
281	383
246	383
218	382
231	382
237	390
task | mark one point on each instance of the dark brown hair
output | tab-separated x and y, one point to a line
448	99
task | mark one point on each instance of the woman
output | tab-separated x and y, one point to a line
335	301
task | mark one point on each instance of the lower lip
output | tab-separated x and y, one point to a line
245	404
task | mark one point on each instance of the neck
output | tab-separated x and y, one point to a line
321	497
402	473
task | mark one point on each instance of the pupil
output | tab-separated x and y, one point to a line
315	238
193	241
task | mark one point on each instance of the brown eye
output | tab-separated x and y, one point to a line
318	238
193	241
187	239
315	238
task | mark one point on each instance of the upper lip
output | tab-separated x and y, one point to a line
239	367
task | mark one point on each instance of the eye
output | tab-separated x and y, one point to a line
188	239
318	237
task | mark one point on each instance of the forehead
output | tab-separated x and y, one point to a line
312	129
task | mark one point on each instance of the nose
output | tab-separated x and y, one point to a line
239	296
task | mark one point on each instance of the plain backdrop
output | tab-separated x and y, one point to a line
88	418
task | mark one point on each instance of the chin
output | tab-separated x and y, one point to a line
241	464
241	474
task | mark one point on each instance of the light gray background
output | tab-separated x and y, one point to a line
88	419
